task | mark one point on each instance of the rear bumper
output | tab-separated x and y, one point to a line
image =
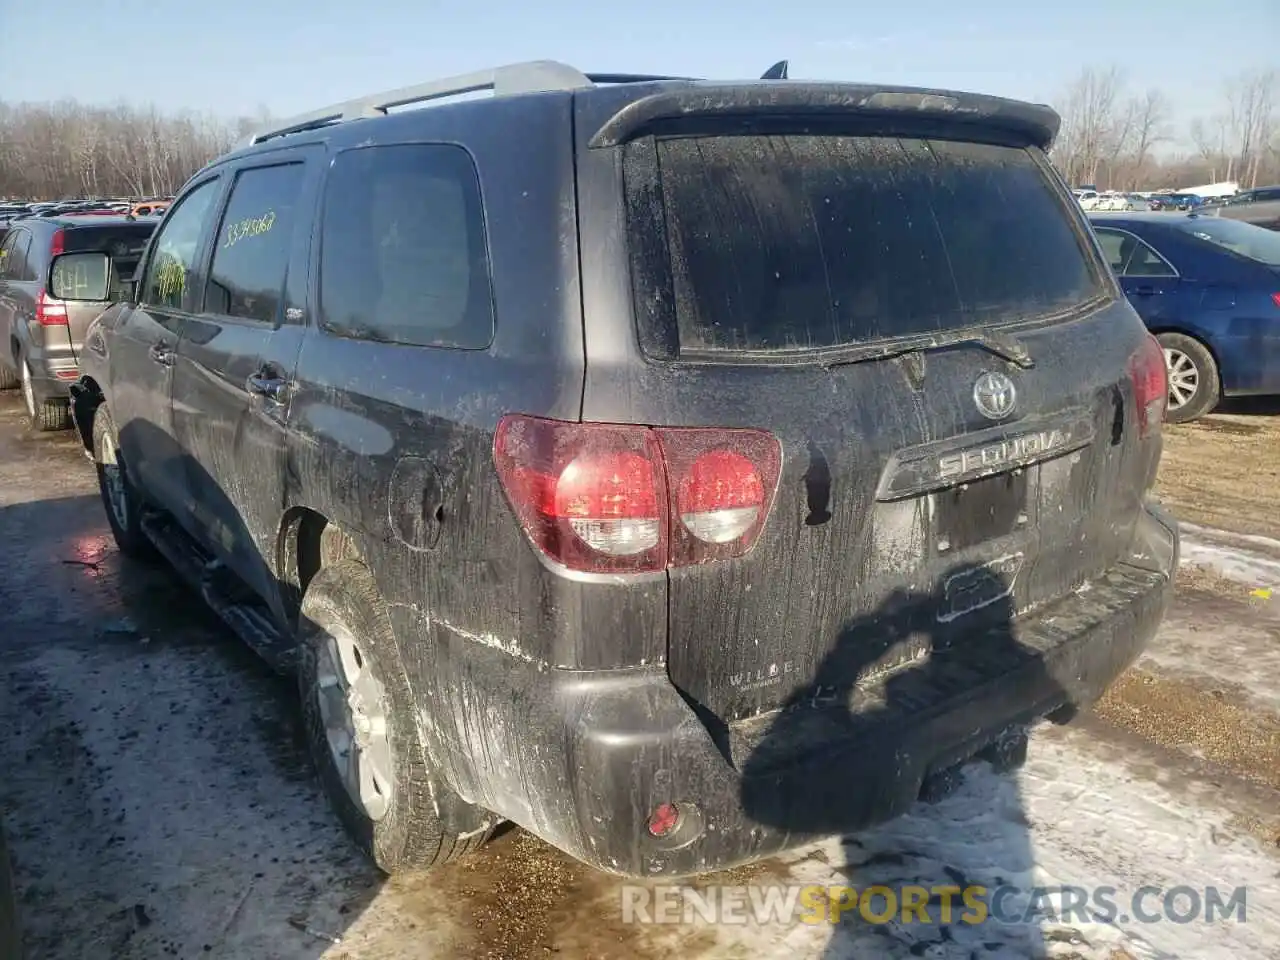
583	759
53	371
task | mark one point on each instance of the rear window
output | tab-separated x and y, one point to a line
803	242
123	244
1256	243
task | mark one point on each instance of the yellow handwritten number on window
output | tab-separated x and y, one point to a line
249	227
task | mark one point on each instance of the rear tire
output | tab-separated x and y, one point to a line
359	716
1194	385
46	415
120	498
8	379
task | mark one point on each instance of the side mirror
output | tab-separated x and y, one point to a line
81	277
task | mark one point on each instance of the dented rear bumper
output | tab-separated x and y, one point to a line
582	759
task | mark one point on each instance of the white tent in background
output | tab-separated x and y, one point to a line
1227	188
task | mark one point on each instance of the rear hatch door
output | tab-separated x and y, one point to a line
925	325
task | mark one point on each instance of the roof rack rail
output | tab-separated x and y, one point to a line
535	76
609	78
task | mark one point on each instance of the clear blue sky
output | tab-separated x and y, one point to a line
237	57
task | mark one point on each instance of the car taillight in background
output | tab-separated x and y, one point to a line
50	312
616	498
1150	375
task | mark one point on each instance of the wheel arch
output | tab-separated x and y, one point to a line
86	398
307	542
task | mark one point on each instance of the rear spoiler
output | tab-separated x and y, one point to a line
1036	123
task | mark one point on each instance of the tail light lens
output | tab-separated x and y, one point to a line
628	499
1275	298
1150	376
50	312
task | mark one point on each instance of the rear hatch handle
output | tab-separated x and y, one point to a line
1001	344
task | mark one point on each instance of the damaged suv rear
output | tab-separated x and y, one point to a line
747	457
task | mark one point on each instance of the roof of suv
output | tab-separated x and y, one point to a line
633	102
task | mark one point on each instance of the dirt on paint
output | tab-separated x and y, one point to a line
160	802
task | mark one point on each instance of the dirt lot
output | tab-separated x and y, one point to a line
1224	470
159	802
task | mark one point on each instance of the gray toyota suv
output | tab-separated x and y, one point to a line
679	469
40	336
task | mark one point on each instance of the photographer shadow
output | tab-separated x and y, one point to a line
905	699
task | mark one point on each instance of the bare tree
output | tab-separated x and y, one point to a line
66	149
1251	101
1090	127
1148	124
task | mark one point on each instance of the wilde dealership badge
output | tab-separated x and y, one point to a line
995	396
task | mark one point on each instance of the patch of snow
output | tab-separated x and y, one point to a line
1077	816
1254	561
1214	647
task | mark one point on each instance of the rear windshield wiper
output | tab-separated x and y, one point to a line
1001	344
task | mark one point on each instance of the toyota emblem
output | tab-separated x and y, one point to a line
995	396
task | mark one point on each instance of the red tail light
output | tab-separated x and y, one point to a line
50	312
58	244
1275	298
628	499
1150	376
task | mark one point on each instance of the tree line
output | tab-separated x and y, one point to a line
69	150
1122	140
1111	136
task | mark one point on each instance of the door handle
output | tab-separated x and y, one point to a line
1145	291
265	385
162	354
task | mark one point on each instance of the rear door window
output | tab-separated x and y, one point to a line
783	243
1129	256
17	266
251	255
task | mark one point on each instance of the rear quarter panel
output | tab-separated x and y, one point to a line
395	442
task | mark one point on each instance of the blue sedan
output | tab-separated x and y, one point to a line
1209	289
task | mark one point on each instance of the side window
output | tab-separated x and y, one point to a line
403	256
1145	262
246	278
1130	257
175	248
1111	243
19	255
5	243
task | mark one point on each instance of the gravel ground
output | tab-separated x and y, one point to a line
1223	470
159	802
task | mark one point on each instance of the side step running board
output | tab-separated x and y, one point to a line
251	622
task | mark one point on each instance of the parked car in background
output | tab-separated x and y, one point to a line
1175	201
149	208
1260	207
1121	202
516	470
1209	289
40	336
